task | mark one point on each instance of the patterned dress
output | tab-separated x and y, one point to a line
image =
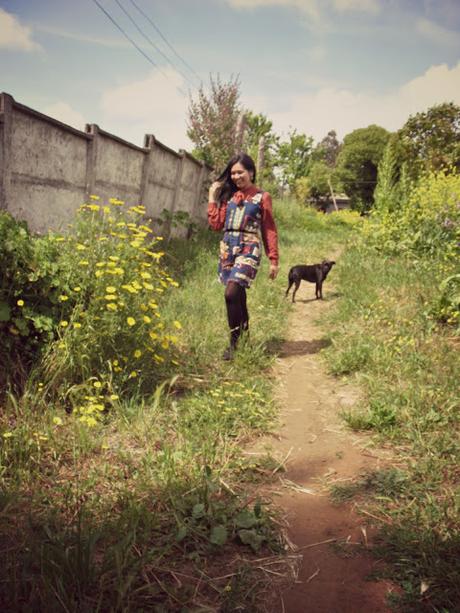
248	223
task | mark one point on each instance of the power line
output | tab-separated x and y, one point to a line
148	58
139	29
166	40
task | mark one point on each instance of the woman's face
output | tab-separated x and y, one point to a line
241	177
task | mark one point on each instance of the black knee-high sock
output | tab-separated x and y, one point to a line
235	300
244	311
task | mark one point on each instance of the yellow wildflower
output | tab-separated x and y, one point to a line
57	421
63	297
177	324
146	319
137	353
131	321
97	384
64	324
110	289
111	306
20	303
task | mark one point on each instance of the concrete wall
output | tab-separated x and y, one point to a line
48	169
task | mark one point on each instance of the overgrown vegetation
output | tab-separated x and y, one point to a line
397	331
122	492
147	501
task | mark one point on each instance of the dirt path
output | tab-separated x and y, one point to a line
320	450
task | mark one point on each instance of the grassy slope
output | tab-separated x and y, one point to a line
150	508
409	368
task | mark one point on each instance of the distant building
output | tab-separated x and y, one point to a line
326	205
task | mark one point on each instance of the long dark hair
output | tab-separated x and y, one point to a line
228	187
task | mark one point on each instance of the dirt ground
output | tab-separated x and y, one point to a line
318	450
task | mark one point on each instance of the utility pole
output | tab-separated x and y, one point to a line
261	157
239	132
332	194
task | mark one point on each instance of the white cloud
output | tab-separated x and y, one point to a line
366	6
83	38
13	35
153	105
343	110
309	7
437	34
65	113
314	9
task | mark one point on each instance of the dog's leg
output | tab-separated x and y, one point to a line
297	284
289	287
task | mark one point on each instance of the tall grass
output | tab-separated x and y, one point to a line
151	506
384	335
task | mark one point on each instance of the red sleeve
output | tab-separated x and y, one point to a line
216	215
269	232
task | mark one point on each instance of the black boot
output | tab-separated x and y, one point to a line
229	353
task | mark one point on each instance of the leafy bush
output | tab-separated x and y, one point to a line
428	224
87	305
28	298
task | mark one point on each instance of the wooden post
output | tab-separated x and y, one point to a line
199	190
261	158
91	158
177	187
6	130
332	194
149	145
239	132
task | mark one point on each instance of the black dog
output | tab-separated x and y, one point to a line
315	273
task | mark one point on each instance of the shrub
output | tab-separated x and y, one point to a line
28	298
428	224
88	304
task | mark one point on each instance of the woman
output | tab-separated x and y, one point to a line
244	212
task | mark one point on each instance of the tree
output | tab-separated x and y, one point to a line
212	120
430	140
357	164
328	149
293	157
259	126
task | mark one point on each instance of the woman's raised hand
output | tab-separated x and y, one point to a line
214	191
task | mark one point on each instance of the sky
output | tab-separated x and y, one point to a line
308	65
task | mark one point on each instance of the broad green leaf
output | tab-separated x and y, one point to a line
198	510
251	538
245	519
218	535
